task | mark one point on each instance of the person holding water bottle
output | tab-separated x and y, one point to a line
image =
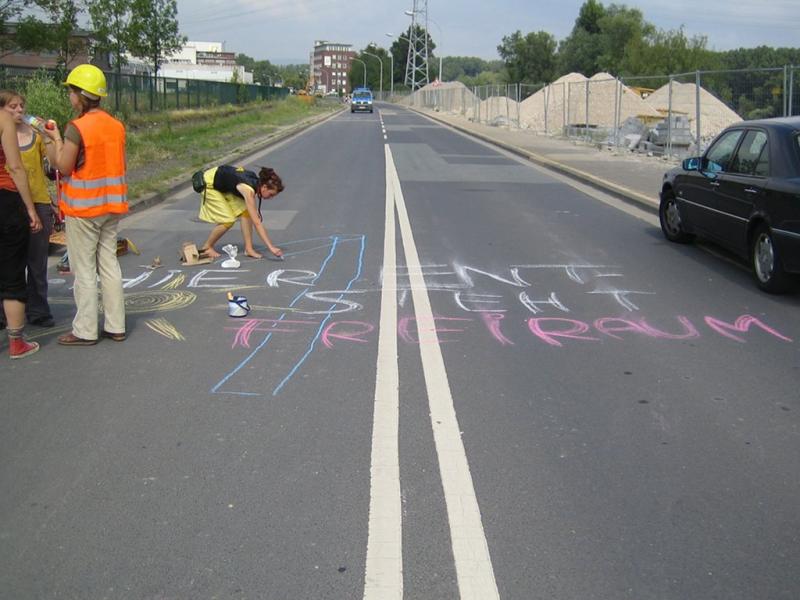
34	147
94	196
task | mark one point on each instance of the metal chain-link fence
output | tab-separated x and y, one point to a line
673	115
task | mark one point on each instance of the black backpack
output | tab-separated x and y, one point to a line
198	181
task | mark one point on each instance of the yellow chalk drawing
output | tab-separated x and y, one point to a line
175	283
163	327
163	300
140	302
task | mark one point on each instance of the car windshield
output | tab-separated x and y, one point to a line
362	95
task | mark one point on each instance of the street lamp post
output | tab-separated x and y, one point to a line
441	78
380	60
402	37
363	64
391	82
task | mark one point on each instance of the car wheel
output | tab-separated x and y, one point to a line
766	262
670	218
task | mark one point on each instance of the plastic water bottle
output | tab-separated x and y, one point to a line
38	123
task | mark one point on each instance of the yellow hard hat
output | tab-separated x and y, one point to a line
88	78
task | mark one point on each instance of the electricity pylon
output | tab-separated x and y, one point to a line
417	63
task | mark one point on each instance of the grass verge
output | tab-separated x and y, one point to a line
164	147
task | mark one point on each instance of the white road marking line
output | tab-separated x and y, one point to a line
476	580
384	566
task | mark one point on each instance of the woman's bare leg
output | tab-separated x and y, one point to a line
247	234
213	238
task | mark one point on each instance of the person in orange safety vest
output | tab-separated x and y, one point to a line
91	159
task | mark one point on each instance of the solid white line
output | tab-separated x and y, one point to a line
384	567
476	580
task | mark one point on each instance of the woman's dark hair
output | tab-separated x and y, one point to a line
269	178
87	104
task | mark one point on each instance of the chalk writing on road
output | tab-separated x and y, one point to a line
322	308
552	331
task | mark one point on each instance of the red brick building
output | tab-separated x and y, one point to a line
330	64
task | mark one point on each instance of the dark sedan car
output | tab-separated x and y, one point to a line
744	194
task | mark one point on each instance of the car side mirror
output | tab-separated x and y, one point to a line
710	169
691	164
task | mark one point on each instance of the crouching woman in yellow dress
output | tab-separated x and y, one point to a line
230	193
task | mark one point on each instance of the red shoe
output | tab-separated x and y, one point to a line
19	348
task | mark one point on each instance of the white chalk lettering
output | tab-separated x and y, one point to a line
532	305
305	278
478	301
199	280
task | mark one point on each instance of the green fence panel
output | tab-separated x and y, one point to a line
137	93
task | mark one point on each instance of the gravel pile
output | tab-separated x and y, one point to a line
714	114
498	106
549	102
565	101
454	96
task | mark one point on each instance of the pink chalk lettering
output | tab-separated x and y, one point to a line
492	322
351	335
742	325
607	326
689	330
405	334
251	326
575	332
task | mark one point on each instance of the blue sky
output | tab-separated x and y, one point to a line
285	30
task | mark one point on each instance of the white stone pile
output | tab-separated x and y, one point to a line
714	114
563	102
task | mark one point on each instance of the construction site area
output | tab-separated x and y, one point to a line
678	118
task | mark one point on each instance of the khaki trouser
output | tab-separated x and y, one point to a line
92	248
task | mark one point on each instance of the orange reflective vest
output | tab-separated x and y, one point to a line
98	187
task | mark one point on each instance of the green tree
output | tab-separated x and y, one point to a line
294	76
580	53
664	52
9	10
248	62
488	77
590	16
265	73
56	33
154	34
399	50
111	23
457	67
621	28
582	49
154	31
528	59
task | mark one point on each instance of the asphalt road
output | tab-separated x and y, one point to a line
468	379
